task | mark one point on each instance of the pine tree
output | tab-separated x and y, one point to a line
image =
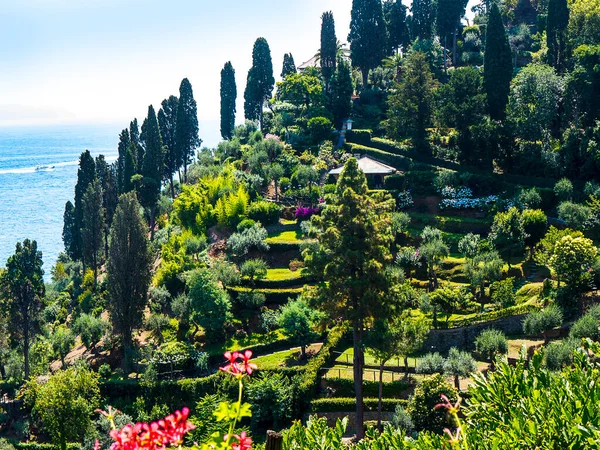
129	170
556	33
423	19
367	36
92	232
124	144
340	95
186	130
228	99
328	53
167	121
152	166
394	14
68	227
23	282
351	255
289	66
497	67
86	174
260	82
128	270
107	174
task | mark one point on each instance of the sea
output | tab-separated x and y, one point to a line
38	172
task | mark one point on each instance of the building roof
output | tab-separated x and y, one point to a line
369	167
312	62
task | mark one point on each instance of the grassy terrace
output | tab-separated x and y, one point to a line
283	274
285	237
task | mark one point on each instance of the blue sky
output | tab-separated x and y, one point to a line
107	60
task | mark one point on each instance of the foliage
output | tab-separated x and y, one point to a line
585	327
491	342
535	224
289	66
264	212
240	243
341	89
320	129
503	293
260	81
228	99
329	46
300	89
540	322
367	35
186	129
298	321
563	189
508	232
428	394
574	215
271	400
459	364
571	258
431	363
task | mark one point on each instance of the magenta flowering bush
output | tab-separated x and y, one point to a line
305	213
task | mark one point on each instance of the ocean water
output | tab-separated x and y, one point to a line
38	172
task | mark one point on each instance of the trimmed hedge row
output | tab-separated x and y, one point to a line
492	315
348	404
397	161
274	296
345	388
282	284
38	446
360	136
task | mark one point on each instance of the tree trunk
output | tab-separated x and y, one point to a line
303	352
445	55
276	191
457	382
380	403
405	367
2	371
185	169
26	346
172	187
358	378
454	48
152	224
365	77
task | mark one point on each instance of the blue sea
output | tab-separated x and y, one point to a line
38	172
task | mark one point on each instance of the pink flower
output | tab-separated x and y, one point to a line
247	366
239	363
243	442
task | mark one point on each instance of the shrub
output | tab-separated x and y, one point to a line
245	224
585	327
360	136
320	129
574	214
105	371
346	404
305	213
296	264
540	322
421	405
563	189
91	329
535	224
401	419
431	363
491	342
264	212
530	198
254	237
559	354
394	182
503	292
271	398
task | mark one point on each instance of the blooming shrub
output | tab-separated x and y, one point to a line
404	200
462	198
305	213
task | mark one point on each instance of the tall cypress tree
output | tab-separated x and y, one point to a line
124	143
228	99
135	138
556	33
328	46
152	166
394	14
340	95
423	19
107	174
128	270
92	232
186	130
167	122
260	81
367	36
129	169
449	13
497	67
289	66
68	227
86	174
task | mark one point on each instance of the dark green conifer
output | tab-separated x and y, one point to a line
367	36
556	33
152	169
124	143
289	66
68	227
86	174
449	13
228	99
423	19
260	81
107	174
186	130
167	122
340	95
129	170
498	67
328	53
394	14
135	138
92	232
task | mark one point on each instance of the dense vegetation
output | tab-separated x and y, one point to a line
467	264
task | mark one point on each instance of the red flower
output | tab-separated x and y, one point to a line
236	367
243	442
247	366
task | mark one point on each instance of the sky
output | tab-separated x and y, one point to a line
107	60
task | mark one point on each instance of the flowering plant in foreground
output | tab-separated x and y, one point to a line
171	430
456	439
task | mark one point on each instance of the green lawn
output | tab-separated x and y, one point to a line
233	344
368	374
348	355
285	237
276	360
282	274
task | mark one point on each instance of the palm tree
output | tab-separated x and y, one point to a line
394	62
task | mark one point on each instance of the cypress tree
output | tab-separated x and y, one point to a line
367	36
107	174
68	227
135	138
497	68
328	46
23	283
449	13
228	99
152	166
86	174
289	66
124	143
394	14
167	121
260	81
423	19
93	226
186	130
340	96
128	270
556	33
129	169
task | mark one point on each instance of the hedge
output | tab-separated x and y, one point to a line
273	296
360	136
396	161
492	315
282	284
344	387
39	446
348	404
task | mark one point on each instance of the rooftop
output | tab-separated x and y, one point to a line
369	167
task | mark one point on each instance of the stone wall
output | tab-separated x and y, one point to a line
443	340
